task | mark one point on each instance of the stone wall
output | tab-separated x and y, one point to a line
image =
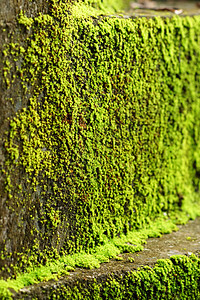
99	125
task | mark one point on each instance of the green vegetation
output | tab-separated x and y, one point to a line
107	143
174	278
109	139
101	6
55	269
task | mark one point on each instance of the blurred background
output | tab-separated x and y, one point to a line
182	4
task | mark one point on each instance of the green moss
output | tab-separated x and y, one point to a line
104	6
24	20
5	293
54	269
109	138
174	278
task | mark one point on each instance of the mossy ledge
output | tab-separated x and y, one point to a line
105	136
174	278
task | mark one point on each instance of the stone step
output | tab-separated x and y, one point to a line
180	245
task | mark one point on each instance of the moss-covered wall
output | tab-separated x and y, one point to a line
105	134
